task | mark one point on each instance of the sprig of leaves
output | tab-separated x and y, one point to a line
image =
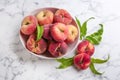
96	37
100	61
97	61
65	62
40	30
83	27
92	68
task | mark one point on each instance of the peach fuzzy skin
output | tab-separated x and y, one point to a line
59	32
82	61
86	47
62	16
38	47
57	49
29	24
72	33
46	33
45	17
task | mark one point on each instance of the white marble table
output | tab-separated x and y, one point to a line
17	64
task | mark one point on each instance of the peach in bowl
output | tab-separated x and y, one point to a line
49	33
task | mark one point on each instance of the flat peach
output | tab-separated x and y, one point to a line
37	47
29	24
62	16
82	61
59	32
86	47
45	17
57	49
47	34
72	33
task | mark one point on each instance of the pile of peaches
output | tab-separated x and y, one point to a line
58	32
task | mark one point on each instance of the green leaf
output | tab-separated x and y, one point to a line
83	27
65	62
92	68
100	61
96	37
40	30
79	24
92	40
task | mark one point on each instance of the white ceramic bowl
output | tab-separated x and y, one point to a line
71	47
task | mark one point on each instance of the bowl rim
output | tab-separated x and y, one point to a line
42	56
